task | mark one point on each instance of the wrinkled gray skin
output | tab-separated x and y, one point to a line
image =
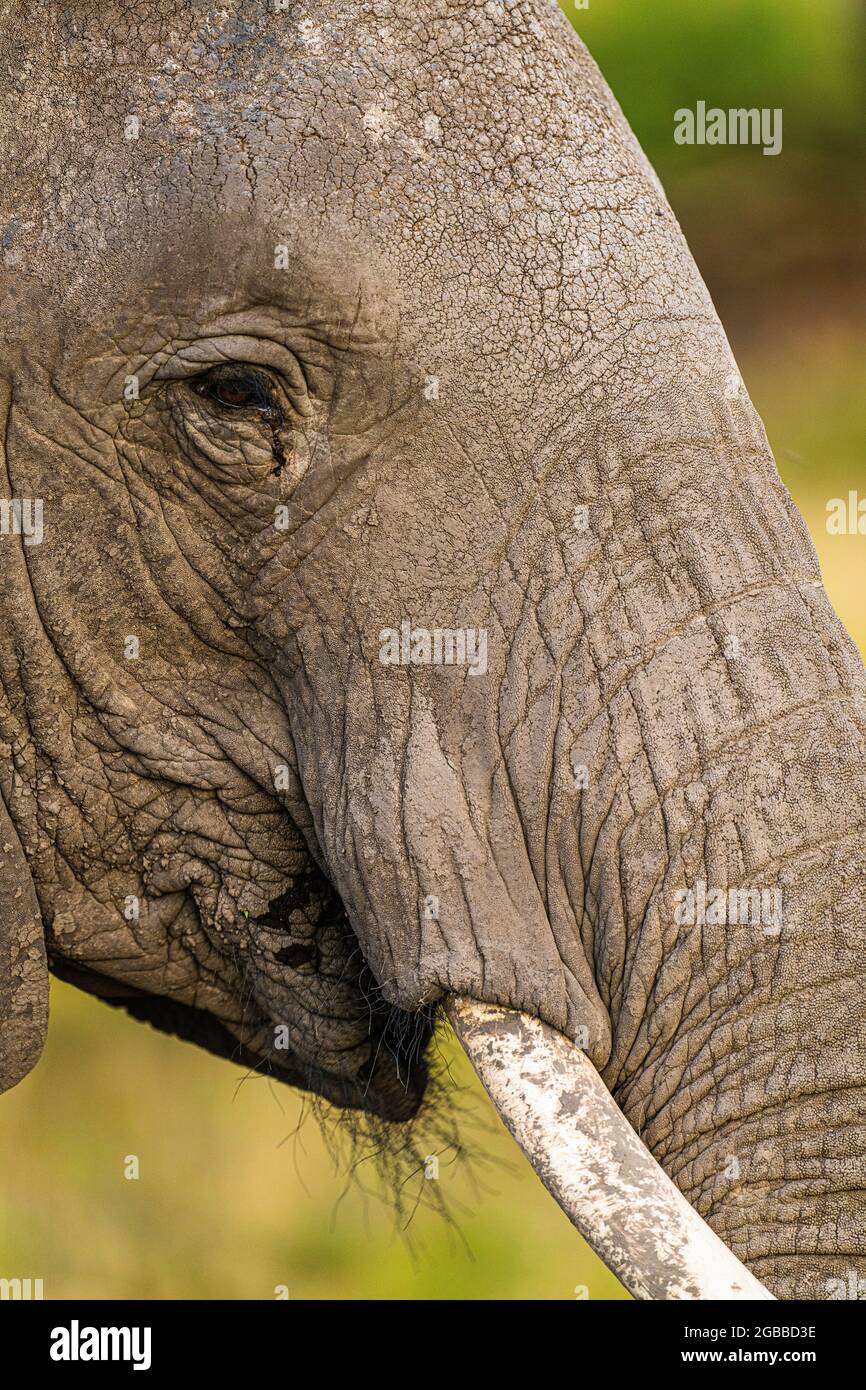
520	250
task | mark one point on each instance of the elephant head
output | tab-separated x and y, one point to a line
401	603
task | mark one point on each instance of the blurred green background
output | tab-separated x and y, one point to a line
234	1199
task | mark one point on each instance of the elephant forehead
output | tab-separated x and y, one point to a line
370	67
471	152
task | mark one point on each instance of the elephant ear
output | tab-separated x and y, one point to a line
23	965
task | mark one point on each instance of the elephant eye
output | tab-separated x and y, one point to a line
237	388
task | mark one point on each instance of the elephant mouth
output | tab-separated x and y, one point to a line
391	1085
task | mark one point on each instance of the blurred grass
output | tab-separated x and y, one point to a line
228	1205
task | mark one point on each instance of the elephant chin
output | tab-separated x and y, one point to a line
391	1086
592	1162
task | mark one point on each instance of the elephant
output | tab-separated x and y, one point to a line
403	615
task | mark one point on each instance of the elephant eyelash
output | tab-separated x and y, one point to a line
239	389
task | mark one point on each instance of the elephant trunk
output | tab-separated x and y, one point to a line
641	823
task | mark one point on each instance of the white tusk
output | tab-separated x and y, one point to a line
591	1160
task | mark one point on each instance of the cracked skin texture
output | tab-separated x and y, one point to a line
354	201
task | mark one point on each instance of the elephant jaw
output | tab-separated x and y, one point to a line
592	1162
